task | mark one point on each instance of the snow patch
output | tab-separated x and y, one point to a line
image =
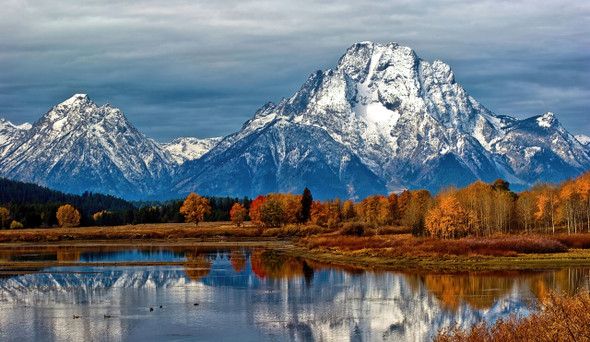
546	120
583	139
74	99
58	125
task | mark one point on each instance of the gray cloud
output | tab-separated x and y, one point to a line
201	68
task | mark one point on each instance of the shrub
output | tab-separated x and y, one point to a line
16	225
353	228
561	318
392	230
575	240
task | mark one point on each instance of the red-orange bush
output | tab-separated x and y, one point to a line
561	318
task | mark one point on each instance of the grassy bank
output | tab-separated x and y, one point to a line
213	231
403	251
385	248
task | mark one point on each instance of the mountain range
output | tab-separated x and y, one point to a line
382	121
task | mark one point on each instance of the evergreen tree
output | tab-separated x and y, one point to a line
306	201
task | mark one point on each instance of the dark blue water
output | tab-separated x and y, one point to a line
255	295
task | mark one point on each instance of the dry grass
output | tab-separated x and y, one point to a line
292	230
561	318
409	246
146	231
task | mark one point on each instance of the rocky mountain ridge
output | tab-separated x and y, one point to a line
383	120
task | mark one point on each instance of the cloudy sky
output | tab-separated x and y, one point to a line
202	68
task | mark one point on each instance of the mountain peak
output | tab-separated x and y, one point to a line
547	120
76	98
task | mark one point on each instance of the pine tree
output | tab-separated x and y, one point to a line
306	201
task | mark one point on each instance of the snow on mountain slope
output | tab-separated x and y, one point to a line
285	157
9	133
383	120
409	122
78	146
584	140
183	149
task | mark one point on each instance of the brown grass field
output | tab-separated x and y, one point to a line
158	231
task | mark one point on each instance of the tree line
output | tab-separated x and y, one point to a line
32	206
480	209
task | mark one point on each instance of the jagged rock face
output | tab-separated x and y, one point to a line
584	140
282	156
183	149
78	146
408	121
10	133
383	120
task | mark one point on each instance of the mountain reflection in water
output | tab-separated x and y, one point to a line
250	294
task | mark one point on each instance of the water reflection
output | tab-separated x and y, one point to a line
251	295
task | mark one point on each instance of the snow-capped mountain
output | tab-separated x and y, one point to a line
383	120
183	149
584	140
78	146
9	133
405	119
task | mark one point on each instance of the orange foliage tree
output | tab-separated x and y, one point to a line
447	219
256	211
348	212
238	213
195	208
68	216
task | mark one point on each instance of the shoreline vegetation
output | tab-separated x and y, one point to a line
392	249
560	318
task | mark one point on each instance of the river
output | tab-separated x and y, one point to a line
184	293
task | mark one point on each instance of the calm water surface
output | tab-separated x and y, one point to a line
248	294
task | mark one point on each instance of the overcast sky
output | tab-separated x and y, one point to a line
202	68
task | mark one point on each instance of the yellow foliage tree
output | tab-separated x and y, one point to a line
68	216
448	219
348	210
16	225
195	208
4	217
238	213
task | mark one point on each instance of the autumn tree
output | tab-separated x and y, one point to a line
195	208
271	213
393	206
416	209
402	202
4	217
447	219
256	211
306	201
348	210
68	216
547	201
292	206
583	188
525	207
319	214
238	213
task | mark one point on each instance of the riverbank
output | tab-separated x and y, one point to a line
378	252
213	231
